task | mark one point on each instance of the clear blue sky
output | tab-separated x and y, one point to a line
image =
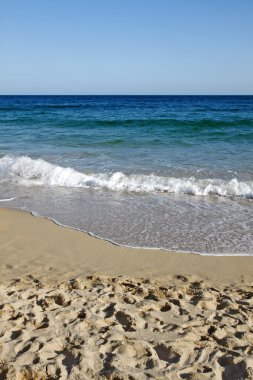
126	46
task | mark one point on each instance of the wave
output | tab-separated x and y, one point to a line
27	171
197	124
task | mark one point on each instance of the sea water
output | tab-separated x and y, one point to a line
171	172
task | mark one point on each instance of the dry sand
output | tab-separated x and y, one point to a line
76	307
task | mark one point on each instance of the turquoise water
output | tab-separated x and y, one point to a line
174	172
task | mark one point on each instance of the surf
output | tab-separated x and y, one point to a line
27	171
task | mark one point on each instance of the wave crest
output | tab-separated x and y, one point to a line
27	171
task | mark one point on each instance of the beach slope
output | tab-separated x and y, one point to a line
76	307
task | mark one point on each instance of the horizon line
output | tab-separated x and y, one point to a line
126	94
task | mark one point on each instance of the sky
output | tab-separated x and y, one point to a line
126	47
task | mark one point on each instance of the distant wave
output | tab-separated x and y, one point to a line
27	171
165	122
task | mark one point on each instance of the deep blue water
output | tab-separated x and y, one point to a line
162	171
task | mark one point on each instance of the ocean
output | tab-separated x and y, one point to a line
170	172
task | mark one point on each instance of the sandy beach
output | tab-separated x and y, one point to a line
77	307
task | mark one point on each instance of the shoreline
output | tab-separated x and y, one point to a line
36	215
161	249
93	254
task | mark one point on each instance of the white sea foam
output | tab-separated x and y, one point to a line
27	171
7	199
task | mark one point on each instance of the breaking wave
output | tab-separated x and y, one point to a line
27	171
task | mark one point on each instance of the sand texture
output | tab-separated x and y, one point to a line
119	328
76	307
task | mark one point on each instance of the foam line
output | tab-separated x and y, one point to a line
27	171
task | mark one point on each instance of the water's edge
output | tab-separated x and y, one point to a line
37	215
